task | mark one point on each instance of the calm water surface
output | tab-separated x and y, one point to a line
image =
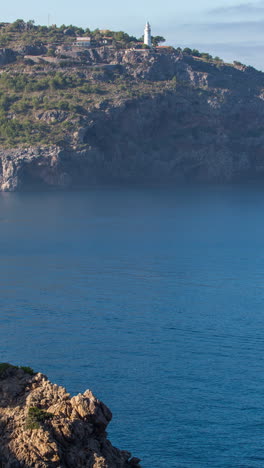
154	299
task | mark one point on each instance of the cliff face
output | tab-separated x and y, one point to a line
206	128
41	426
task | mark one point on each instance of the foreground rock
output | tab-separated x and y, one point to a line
41	426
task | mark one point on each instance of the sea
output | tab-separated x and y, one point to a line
154	299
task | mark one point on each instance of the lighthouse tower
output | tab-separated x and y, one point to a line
147	35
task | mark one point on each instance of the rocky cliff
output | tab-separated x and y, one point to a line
205	125
42	426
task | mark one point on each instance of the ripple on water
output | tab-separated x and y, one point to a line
152	298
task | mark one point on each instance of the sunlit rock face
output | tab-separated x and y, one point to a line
62	432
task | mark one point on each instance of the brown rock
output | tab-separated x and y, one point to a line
64	431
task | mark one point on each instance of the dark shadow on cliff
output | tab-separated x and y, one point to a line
12	462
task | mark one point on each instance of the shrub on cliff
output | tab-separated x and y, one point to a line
27	370
4	366
36	417
156	40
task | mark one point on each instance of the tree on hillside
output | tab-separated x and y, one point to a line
156	40
18	25
96	34
196	53
123	37
206	56
30	25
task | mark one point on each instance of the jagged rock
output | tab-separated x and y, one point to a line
52	116
73	435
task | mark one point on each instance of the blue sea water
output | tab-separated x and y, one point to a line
154	299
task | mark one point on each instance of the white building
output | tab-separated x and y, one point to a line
83	42
147	35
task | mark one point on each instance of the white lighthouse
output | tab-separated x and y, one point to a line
147	35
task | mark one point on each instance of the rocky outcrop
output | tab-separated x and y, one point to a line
30	167
42	426
165	64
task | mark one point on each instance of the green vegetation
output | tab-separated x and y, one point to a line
202	55
156	40
40	105
120	37
36	417
5	365
45	99
24	33
43	106
27	370
21	33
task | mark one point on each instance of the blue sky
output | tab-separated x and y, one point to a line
234	30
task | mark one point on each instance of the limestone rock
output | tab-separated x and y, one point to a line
70	432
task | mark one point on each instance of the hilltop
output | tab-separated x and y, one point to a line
119	111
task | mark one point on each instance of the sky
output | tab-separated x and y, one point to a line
230	29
